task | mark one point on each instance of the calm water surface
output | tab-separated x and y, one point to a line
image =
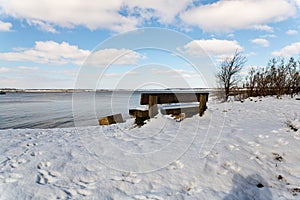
54	110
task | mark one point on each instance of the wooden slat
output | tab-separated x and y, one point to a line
172	97
189	111
139	113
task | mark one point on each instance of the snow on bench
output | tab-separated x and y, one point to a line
176	103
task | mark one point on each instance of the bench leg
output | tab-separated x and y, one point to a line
153	109
202	104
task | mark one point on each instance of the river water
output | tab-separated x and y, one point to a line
56	110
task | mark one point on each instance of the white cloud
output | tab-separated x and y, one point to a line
48	52
289	50
5	26
176	73
169	71
291	32
118	75
261	42
132	73
230	35
28	68
43	26
53	53
164	10
264	28
93	14
124	15
4	69
105	57
17	69
250	54
69	13
268	36
111	75
214	47
225	15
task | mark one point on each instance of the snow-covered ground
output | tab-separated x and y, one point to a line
235	151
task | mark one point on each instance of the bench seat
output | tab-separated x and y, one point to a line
174	103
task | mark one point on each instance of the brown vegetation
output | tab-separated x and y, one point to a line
279	77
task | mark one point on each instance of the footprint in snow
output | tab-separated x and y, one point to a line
191	188
84	192
31	144
13	177
232	166
36	153
71	192
42	165
87	182
297	136
85	186
176	165
275	131
233	147
46	177
145	197
282	141
127	177
14	163
253	144
263	136
140	197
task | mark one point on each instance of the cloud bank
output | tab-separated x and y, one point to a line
289	50
226	16
124	15
214	47
53	53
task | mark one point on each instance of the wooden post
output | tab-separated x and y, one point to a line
153	109
202	103
112	119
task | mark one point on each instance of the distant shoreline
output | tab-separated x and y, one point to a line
12	90
50	90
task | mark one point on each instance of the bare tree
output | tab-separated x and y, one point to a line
228	74
281	78
278	78
251	80
293	77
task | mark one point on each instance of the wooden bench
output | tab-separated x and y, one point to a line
152	99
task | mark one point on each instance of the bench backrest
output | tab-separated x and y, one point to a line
173	97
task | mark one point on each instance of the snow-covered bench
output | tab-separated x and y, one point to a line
176	103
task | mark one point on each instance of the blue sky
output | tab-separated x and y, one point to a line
45	44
